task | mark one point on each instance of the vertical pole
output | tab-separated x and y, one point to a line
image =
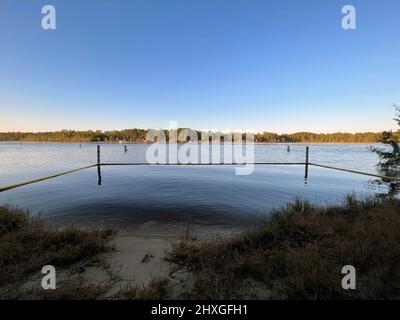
306	166
98	175
98	166
307	154
98	155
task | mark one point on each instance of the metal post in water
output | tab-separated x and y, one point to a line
98	166
98	175
98	155
307	154
306	166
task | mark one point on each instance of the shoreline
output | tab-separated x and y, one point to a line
275	260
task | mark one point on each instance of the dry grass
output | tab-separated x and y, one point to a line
158	289
299	254
27	244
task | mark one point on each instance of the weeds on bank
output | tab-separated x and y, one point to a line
299	253
27	244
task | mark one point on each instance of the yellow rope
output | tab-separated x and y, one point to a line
41	179
355	171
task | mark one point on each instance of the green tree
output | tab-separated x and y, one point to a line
389	159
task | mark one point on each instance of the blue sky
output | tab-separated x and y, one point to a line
281	66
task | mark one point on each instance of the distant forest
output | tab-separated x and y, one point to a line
139	136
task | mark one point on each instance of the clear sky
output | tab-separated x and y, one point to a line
281	66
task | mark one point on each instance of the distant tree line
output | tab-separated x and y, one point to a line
362	137
129	135
139	136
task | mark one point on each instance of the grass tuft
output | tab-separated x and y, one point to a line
157	289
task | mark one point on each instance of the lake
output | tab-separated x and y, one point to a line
159	199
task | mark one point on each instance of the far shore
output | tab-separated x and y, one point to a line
141	136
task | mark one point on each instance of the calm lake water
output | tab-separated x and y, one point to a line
158	199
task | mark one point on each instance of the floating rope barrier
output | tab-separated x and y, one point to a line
355	171
45	178
99	164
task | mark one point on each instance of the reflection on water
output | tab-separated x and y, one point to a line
99	175
391	187
162	199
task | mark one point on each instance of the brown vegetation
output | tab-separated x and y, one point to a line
299	254
27	244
